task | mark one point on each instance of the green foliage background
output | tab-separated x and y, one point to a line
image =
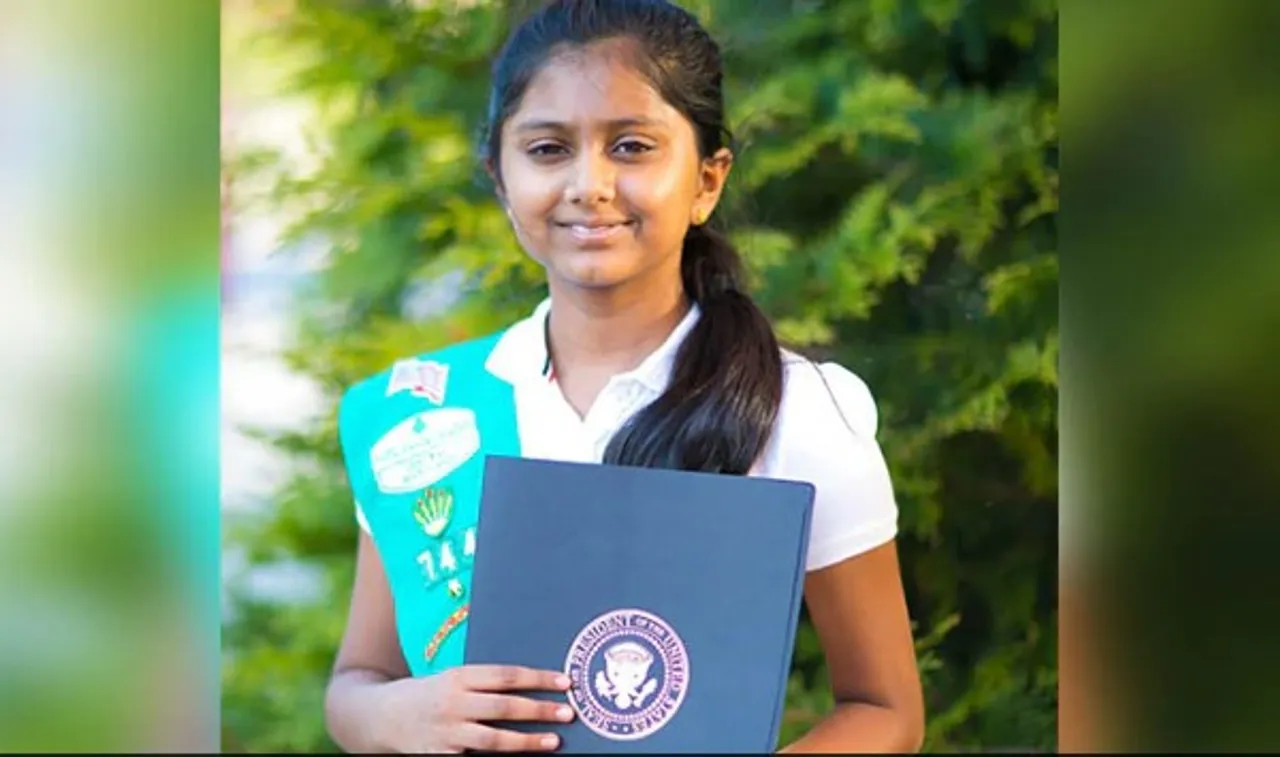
895	196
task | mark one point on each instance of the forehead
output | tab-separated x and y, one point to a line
593	84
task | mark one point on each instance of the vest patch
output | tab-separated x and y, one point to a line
420	378
423	449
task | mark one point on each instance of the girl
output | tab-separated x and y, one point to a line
606	145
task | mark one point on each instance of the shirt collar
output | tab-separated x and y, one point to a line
520	356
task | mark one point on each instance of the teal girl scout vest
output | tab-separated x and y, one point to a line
414	439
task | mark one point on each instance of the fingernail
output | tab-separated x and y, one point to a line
549	741
564	713
563	682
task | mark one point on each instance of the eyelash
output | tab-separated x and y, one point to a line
538	151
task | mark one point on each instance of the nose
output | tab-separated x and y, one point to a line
591	181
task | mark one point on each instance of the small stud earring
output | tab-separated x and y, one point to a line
699	217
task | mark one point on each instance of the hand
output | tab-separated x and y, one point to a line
443	712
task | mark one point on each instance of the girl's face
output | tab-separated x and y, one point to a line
600	176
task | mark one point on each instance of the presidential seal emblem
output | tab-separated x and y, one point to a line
630	672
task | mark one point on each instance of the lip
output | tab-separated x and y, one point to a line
595	231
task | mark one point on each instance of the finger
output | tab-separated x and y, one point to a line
488	739
512	677
507	707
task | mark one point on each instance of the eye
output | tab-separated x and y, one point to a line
545	149
632	147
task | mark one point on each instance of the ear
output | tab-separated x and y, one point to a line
712	176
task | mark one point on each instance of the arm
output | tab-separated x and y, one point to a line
374	705
860	613
368	658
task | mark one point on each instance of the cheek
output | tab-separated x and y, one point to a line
531	199
661	198
659	188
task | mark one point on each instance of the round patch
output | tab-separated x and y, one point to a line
630	672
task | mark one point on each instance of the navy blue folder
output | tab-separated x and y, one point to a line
671	599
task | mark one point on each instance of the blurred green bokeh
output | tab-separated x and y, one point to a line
109	298
1171	419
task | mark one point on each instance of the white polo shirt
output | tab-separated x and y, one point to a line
824	434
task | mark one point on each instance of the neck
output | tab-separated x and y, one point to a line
611	331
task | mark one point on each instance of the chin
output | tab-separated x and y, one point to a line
596	281
597	272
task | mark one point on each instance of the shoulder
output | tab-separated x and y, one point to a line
827	420
823	396
826	435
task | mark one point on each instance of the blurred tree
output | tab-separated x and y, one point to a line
896	196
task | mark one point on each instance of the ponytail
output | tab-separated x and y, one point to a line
718	411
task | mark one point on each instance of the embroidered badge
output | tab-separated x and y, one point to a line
432	511
630	672
423	449
449	625
421	379
446	559
456	589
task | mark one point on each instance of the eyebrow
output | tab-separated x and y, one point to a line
613	125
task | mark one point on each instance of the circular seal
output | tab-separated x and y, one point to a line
630	672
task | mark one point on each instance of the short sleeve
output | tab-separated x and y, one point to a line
360	519
349	441
826	435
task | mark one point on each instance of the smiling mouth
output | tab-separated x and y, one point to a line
595	232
